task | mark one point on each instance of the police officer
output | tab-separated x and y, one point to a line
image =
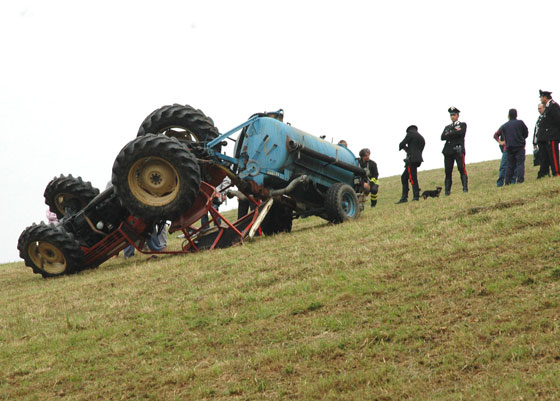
549	128
454	150
539	147
372	183
413	143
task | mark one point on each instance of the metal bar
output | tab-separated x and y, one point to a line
221	137
221	156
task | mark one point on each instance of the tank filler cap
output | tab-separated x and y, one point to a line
253	168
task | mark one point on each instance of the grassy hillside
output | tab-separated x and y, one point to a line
443	299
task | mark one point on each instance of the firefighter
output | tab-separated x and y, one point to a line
371	182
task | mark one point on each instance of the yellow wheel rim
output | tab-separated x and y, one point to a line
47	257
154	181
59	201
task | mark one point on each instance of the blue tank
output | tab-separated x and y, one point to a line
272	154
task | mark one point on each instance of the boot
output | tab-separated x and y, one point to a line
415	192
373	203
404	197
465	181
447	187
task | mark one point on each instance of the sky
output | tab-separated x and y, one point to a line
77	78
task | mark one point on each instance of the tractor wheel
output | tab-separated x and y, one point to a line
278	220
68	194
182	122
156	178
50	250
341	203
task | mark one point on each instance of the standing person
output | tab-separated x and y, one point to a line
550	130
454	150
498	136
539	147
514	133
372	184
413	143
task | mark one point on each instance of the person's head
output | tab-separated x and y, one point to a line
512	114
453	113
545	96
342	142
412	128
541	108
364	154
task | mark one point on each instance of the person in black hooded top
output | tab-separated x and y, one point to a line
413	143
514	133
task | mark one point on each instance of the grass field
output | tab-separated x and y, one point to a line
455	298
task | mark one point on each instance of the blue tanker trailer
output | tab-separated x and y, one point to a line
304	174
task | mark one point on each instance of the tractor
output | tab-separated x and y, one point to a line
170	172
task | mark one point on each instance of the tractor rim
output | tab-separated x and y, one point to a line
348	204
179	132
59	201
154	181
47	257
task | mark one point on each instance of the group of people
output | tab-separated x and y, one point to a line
511	138
546	137
453	154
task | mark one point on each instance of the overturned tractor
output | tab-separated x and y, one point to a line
170	172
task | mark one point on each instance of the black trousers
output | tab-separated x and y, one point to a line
550	157
449	161
544	163
410	174
243	208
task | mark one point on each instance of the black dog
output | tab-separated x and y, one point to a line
431	194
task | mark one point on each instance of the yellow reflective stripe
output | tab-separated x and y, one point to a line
374	180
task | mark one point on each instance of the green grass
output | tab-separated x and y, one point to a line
443	299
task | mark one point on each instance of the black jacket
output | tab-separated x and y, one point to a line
550	123
454	137
514	133
413	143
537	131
371	168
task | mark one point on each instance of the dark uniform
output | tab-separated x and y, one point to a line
538	150
549	133
372	177
454	151
413	143
371	174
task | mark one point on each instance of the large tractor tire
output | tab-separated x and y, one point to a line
66	194
182	122
278	220
156	178
50	250
341	203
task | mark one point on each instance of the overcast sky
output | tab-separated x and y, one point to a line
77	78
